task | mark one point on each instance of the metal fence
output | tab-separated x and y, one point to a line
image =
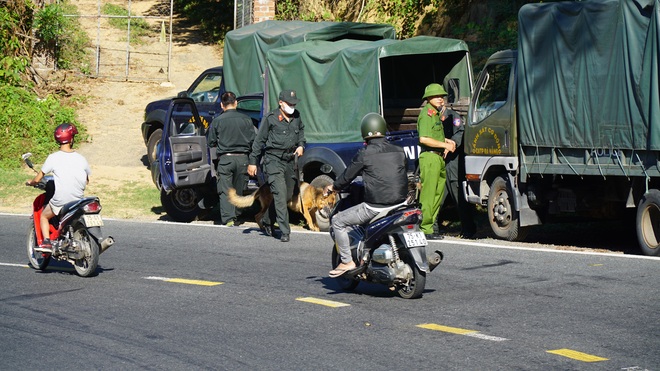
137	45
243	13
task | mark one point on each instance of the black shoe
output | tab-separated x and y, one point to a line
468	235
268	230
284	238
434	236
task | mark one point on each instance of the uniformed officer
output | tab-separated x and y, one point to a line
434	147
231	134
455	166
282	136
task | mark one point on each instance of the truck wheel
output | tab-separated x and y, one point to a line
181	204
648	223
323	222
503	217
152	145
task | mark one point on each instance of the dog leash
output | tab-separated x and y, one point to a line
297	171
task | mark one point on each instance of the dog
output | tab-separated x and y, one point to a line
307	202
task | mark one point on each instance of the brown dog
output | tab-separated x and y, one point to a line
312	200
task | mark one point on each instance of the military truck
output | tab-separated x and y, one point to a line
244	66
568	125
339	82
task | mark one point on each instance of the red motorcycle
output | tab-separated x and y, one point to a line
75	233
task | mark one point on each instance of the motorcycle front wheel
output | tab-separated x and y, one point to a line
38	260
86	266
415	286
345	283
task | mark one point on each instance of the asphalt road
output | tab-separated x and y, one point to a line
175	296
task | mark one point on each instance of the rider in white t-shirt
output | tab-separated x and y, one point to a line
71	175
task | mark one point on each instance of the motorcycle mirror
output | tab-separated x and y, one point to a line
26	158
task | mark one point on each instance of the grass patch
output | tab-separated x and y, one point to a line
130	200
15	197
139	27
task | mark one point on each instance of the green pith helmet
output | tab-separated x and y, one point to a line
373	126
433	90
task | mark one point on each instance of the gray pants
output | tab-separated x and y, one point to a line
231	173
343	223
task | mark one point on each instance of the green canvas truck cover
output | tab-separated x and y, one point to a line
245	48
339	82
588	74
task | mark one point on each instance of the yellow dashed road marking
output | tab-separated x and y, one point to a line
574	354
452	330
327	303
186	281
460	331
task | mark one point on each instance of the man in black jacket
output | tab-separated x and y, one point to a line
231	134
383	168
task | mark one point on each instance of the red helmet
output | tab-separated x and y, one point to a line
64	133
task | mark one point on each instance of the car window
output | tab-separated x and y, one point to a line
183	121
208	89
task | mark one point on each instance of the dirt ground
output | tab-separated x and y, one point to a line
113	112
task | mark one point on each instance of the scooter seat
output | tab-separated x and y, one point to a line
388	210
73	204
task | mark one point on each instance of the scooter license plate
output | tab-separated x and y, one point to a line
415	239
93	220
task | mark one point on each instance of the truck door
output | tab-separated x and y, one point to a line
491	127
184	157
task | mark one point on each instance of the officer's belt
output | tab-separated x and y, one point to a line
282	154
279	152
436	152
234	154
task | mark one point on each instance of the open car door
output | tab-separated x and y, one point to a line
184	156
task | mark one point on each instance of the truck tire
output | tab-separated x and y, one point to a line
181	204
322	181
648	223
502	215
152	145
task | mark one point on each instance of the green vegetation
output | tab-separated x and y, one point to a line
214	18
139	27
13	49
62	36
28	124
28	118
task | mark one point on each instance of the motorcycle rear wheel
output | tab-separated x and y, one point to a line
415	289
38	260
345	283
86	266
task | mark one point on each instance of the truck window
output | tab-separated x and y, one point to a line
183	122
208	88
250	107
493	91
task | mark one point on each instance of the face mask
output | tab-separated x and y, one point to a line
288	109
